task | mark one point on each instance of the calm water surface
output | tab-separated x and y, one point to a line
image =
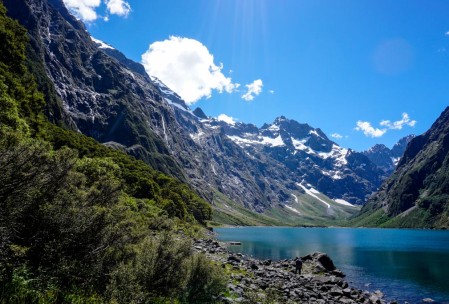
407	265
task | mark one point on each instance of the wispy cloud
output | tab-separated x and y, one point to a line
187	67
371	131
254	89
86	10
397	125
336	136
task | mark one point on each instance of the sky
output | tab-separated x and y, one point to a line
365	72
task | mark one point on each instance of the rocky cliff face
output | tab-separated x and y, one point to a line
101	97
385	158
111	98
420	183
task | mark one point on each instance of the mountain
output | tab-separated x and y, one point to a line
308	156
386	158
245	172
417	194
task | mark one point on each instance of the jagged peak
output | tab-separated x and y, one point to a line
200	113
377	148
280	119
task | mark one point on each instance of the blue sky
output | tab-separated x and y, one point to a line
351	68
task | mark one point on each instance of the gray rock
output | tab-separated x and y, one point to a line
374	299
233	259
336	291
254	266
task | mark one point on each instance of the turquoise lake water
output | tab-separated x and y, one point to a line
406	265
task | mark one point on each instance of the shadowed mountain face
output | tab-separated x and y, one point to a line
110	98
385	158
418	190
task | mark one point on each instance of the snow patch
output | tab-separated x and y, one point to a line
337	153
213	168
177	105
395	160
196	137
274	142
314	132
332	174
101	44
242	141
296	198
274	128
343	202
300	145
313	193
292	209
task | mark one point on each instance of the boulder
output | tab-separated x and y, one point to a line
233	259
338	273
254	266
324	260
336	292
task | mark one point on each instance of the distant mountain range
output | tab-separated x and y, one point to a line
262	170
385	158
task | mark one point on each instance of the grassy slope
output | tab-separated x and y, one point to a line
415	218
312	213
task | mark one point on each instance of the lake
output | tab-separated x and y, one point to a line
406	265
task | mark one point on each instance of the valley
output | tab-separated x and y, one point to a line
112	184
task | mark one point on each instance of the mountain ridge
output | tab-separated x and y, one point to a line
416	195
385	158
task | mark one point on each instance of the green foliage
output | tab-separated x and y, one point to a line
9	113
67	226
370	218
138	179
19	97
435	204
416	218
164	266
204	282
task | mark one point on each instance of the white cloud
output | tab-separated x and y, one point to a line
83	9
86	10
227	119
447	33
337	136
187	67
397	125
254	89
271	91
369	130
118	7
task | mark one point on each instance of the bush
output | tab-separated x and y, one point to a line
163	266
205	282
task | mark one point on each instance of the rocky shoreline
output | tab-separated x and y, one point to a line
265	281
